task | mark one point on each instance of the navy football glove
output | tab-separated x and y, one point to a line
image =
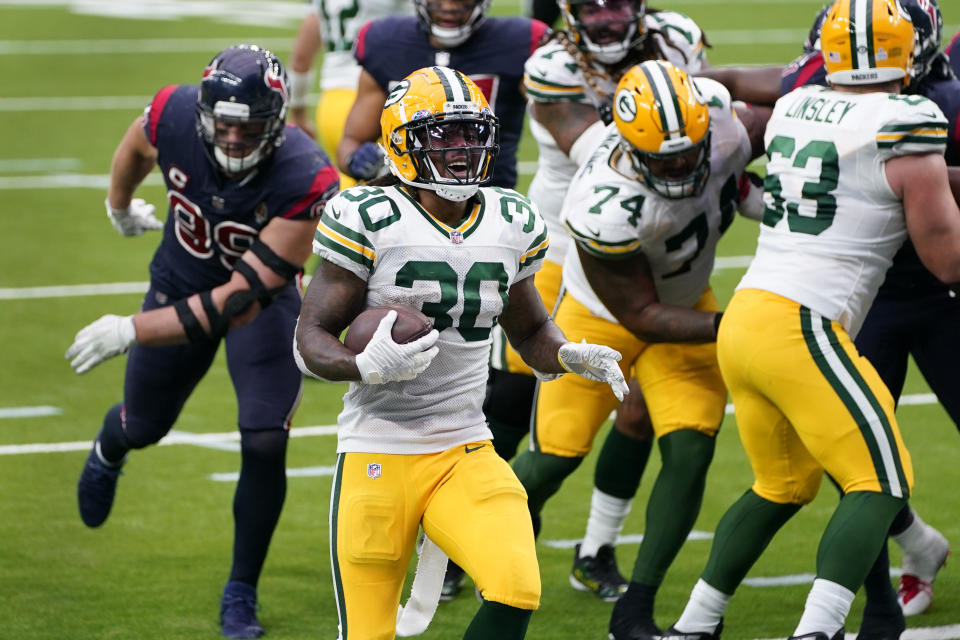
366	161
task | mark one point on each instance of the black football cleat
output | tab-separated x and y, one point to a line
598	574
96	489
238	612
626	624
676	634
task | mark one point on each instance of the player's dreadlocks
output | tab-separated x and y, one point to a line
595	72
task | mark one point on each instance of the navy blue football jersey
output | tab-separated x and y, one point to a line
391	48
907	275
212	221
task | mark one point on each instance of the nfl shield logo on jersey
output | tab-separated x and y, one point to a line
373	470
456	237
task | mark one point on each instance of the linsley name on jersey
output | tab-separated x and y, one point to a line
612	214
458	276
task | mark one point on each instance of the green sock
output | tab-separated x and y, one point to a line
506	439
620	464
853	538
742	534
541	475
496	621
674	502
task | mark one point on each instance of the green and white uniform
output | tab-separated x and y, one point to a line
460	277
611	212
340	22
832	223
552	75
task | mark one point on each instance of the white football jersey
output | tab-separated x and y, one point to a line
459	277
552	75
832	223
612	214
340	22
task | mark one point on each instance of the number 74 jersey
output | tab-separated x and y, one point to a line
458	276
832	223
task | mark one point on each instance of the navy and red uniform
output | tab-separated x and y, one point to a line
211	222
391	48
914	313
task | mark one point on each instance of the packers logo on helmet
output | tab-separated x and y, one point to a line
439	133
664	124
867	42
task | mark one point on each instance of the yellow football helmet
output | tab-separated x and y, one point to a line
866	42
439	133
665	126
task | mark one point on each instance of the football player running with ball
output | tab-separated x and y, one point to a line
854	169
245	192
414	448
646	211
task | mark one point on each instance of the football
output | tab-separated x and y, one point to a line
410	325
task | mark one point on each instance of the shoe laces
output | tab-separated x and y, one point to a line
240	606
911	585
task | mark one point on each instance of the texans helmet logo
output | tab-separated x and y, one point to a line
275	81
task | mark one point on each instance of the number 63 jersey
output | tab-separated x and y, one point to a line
459	277
612	214
832	224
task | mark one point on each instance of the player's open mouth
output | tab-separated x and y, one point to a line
458	167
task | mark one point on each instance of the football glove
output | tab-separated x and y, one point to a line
366	161
383	360
750	198
135	219
101	340
594	362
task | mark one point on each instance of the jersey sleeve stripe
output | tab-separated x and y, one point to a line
156	109
326	238
322	182
344	231
359	49
540	239
543	84
535	254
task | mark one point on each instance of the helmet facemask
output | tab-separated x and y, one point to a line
928	27
433	15
678	173
607	29
239	141
452	154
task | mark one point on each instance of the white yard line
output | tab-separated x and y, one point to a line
143	45
67	181
29	412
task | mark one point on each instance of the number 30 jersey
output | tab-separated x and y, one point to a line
832	223
612	214
459	277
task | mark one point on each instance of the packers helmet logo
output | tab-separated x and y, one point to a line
626	105
397	93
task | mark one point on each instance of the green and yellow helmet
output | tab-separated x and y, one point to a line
439	133
665	126
867	42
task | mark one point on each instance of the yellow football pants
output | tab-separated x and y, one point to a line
332	109
469	503
680	382
806	402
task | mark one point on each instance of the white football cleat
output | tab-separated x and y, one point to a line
919	570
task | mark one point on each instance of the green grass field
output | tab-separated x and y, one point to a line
73	83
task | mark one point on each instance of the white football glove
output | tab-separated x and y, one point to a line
135	219
594	362
383	360
101	340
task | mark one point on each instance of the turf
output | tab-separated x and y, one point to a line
156	568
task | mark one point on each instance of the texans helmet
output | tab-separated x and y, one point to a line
242	106
430	13
664	124
439	133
